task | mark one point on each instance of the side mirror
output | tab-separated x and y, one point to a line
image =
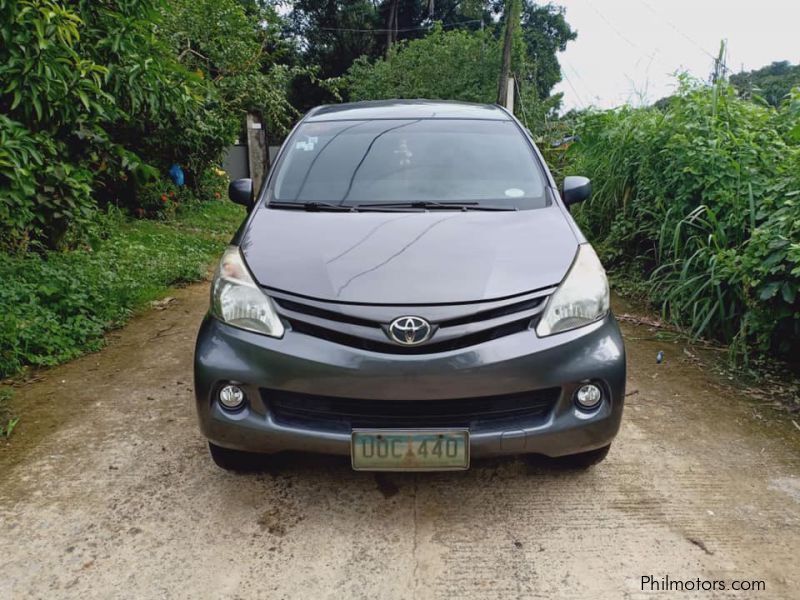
241	192
576	189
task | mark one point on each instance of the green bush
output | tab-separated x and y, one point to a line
98	99
58	305
7	421
416	68
41	192
87	90
702	198
454	65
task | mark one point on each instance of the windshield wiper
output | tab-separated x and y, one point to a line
311	206
430	205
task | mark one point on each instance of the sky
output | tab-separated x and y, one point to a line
628	50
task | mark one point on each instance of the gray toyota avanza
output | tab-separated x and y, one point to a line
409	290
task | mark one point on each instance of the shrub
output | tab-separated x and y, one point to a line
416	68
86	89
58	305
212	184
702	198
98	99
40	192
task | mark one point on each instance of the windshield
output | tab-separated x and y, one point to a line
397	161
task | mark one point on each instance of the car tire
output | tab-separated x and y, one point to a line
584	460
235	460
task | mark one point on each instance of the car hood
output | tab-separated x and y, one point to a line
409	257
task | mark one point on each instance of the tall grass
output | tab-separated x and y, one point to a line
58	305
700	199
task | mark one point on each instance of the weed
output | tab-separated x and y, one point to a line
700	199
7	422
58	305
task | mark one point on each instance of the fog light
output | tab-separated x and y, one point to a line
231	397
588	396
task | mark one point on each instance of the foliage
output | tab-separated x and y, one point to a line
545	32
86	89
239	52
447	65
40	191
329	29
416	69
338	34
45	87
213	184
58	305
159	199
702	196
771	83
7	422
470	60
98	99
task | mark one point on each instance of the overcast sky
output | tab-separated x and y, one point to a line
628	49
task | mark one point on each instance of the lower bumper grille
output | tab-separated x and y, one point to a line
331	413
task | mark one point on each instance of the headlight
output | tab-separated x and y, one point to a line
582	297
238	301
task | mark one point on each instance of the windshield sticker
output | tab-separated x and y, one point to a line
514	193
308	145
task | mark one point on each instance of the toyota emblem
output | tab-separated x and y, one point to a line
410	331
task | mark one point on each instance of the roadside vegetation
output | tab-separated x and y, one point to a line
58	305
697	199
697	207
101	103
99	99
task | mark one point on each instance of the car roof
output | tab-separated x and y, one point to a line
406	109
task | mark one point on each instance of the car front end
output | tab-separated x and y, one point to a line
409	335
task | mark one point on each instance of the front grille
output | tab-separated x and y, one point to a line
390	348
332	413
467	327
330	315
494	313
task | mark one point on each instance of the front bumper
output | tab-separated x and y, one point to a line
516	363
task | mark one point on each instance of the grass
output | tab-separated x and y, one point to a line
696	209
7	421
58	306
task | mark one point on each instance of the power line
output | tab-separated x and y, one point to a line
623	37
683	34
402	29
583	83
643	53
574	91
515	79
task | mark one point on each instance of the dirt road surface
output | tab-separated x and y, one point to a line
107	491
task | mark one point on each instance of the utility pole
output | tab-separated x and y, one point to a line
257	151
391	26
720	68
505	66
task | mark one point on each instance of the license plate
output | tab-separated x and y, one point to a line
420	450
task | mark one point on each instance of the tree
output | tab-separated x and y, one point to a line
335	33
98	99
772	83
332	34
452	65
85	90
239	50
546	33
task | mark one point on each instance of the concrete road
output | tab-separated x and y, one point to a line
107	491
